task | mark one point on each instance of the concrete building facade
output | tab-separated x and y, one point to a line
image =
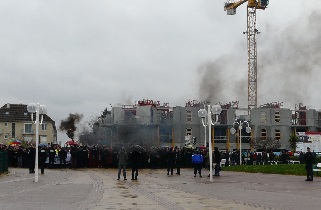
149	124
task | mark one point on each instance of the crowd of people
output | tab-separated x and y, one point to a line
135	157
95	156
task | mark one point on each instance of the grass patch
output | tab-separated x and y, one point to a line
286	169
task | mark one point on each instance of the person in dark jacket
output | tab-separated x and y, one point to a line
83	156
284	157
178	161
104	157
135	159
309	158
74	157
31	159
217	159
52	154
43	154
62	157
170	159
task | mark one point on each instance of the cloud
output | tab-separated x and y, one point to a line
79	56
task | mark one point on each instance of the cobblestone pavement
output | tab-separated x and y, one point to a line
98	189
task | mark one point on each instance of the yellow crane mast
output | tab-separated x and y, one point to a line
252	5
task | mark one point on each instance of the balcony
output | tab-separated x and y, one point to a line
28	132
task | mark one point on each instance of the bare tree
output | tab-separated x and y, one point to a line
266	143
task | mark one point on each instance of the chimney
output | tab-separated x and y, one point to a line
8	105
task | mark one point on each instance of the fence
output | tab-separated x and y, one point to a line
3	161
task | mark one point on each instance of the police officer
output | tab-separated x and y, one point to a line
62	157
217	159
83	157
31	159
43	154
74	157
178	160
52	154
135	159
170	158
309	158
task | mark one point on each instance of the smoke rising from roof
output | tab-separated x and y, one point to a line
69	124
220	81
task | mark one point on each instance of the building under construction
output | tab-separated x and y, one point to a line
148	123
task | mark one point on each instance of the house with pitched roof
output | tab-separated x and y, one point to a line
16	123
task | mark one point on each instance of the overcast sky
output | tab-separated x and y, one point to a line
79	56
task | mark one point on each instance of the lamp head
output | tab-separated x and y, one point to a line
236	124
32	107
202	113
216	109
42	109
233	130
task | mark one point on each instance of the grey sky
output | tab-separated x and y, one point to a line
82	55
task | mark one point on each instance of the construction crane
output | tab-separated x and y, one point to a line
252	6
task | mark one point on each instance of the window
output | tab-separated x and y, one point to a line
277	116
6	136
277	134
44	126
5	124
189	116
263	116
28	128
220	135
28	139
189	131
263	133
13	130
43	139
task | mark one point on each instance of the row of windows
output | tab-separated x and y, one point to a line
277	133
28	126
277	117
189	116
27	129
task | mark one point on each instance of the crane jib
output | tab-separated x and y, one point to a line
258	4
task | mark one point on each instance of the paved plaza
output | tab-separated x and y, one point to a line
98	189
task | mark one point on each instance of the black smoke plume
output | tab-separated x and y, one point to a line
288	66
220	80
69	124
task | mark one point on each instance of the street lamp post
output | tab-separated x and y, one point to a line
39	110
202	113
216	110
240	126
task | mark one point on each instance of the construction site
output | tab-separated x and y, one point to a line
267	126
148	123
